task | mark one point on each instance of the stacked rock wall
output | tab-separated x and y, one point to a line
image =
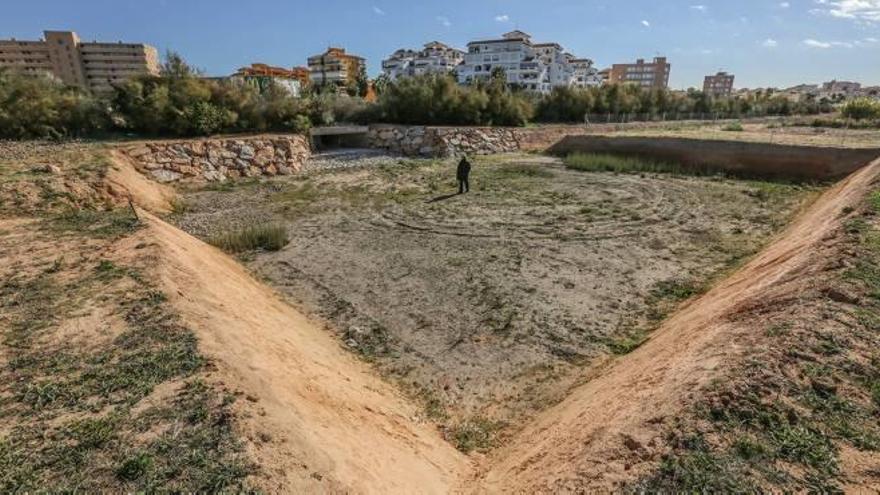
443	141
219	159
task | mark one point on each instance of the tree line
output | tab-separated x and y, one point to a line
180	102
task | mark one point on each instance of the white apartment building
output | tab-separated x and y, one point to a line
434	58
536	67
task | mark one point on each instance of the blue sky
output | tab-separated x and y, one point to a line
763	42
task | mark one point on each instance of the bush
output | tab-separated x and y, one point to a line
42	107
733	127
440	100
861	109
266	237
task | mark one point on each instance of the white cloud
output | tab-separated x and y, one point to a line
701	8
871	40
829	44
858	10
646	24
502	18
817	44
443	20
378	11
784	5
770	43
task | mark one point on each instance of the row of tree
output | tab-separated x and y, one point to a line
179	102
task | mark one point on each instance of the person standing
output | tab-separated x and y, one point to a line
462	174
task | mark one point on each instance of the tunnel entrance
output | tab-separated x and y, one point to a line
341	137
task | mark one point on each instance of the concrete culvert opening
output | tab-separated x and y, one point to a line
341	137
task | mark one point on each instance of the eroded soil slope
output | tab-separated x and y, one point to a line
489	305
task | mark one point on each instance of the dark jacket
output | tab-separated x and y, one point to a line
464	169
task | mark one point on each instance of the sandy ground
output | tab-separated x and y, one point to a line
494	303
588	441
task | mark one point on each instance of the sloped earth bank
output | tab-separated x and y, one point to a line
611	430
488	307
326	422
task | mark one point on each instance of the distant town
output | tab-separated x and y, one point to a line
527	64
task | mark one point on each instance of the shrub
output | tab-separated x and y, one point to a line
42	107
266	237
733	127
440	100
861	109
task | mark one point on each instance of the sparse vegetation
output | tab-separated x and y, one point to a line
781	419
474	434
267	237
733	127
596	162
861	109
74	404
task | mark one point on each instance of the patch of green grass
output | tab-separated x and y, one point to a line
477	433
518	170
594	162
733	127
627	343
94	223
270	237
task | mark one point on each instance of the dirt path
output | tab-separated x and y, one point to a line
322	420
588	441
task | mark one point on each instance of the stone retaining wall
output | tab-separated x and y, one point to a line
219	159
443	141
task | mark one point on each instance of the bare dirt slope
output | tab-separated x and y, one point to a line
328	423
588	441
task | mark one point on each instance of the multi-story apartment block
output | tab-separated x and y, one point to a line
719	86
93	66
434	58
585	74
647	75
335	67
536	67
262	75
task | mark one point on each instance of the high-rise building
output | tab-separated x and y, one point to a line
535	67
718	86
94	66
647	75
335	67
434	58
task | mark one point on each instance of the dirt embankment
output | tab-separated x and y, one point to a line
603	434
330	422
315	417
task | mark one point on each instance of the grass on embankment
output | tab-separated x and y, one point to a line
102	386
801	411
602	162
